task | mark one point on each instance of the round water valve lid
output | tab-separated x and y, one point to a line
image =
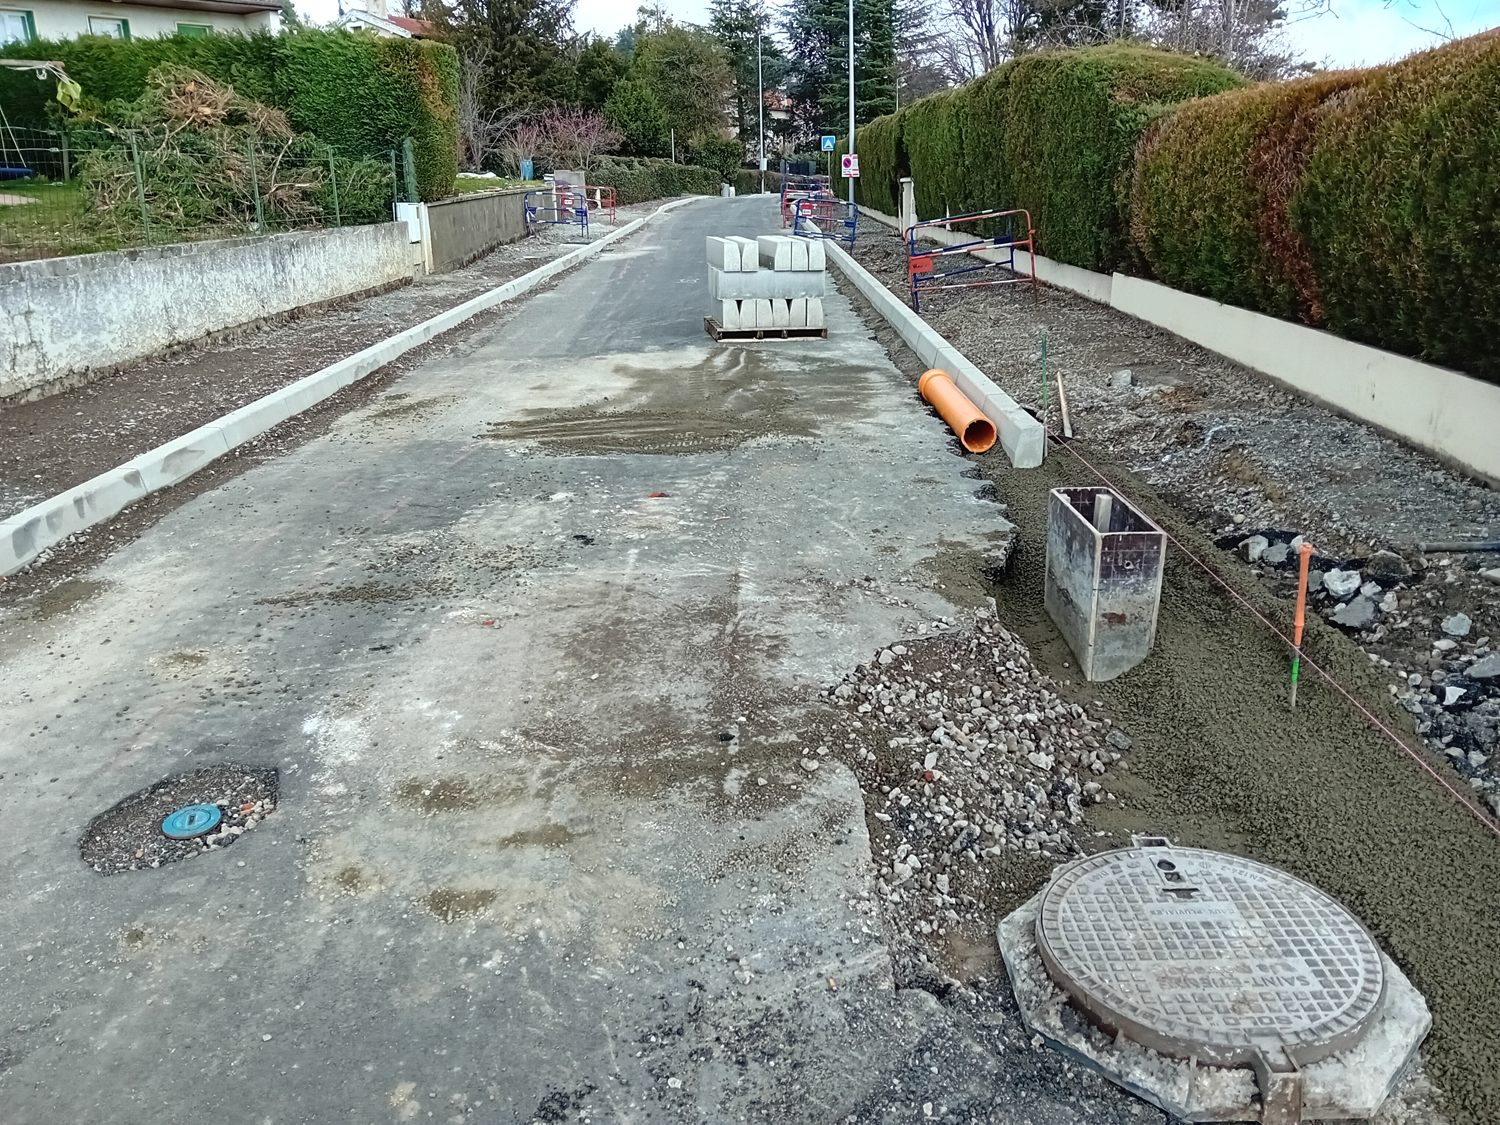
194	820
1197	953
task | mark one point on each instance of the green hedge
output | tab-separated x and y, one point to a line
638	179
881	159
1051	132
1211	190
1366	202
359	93
1400	208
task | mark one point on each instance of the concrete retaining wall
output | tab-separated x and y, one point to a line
1446	413
464	228
1449	414
65	317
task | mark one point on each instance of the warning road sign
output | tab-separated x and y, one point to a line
828	144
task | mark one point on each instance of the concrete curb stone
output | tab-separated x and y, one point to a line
1021	436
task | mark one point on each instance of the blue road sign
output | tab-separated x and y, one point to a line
828	143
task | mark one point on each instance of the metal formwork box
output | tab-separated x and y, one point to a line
1104	569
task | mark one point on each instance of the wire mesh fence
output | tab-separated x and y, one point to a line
85	189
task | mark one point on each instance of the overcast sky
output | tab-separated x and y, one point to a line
1355	33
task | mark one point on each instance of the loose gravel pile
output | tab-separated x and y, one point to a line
968	753
128	837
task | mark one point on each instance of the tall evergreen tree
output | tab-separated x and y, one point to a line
523	45
736	23
818	32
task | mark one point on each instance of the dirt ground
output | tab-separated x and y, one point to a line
1216	758
1239	455
54	443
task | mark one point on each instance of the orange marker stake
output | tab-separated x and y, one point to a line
1306	553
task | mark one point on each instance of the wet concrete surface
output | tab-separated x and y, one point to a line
528	638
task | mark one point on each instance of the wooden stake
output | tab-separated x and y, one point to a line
1062	401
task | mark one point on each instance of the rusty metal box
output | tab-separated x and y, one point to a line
1104	570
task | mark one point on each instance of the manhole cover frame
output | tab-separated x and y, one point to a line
1191	891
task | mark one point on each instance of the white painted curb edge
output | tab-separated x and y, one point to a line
28	533
1021	436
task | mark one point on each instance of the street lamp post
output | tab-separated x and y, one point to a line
760	107
851	94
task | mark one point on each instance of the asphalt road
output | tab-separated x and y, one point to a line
528	638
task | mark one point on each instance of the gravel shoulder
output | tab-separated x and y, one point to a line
1215	760
54	443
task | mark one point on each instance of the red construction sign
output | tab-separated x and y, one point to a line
851	165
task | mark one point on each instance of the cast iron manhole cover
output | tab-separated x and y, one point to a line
1197	953
192	821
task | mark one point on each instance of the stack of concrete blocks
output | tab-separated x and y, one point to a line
775	281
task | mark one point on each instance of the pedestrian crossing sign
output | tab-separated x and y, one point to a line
828	144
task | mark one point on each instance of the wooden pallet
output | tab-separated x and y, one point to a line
719	332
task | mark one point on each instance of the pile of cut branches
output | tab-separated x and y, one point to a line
193	156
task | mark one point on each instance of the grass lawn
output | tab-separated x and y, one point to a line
45	220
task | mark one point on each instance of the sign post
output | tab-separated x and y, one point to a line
828	144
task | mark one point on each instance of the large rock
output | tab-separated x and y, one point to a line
1341	583
1387	566
1485	669
1358	614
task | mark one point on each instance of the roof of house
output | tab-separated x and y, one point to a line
418	28
223	7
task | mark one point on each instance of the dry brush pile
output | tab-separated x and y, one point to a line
205	154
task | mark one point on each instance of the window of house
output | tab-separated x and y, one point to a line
115	29
193	30
16	26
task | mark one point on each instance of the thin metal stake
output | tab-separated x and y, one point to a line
255	184
1044	378
333	178
140	188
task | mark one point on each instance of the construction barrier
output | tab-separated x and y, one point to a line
558	206
1015	232
834	219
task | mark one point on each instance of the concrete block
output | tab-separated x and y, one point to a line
29	532
781	313
723	254
179	458
749	253
1104	574
799	254
726	286
729	314
797	310
817	257
762	312
775	251
815	312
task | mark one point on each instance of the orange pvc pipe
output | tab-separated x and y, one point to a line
973	429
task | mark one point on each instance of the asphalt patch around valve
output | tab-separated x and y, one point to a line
128	836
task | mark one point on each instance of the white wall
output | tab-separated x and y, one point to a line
64	316
57	19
